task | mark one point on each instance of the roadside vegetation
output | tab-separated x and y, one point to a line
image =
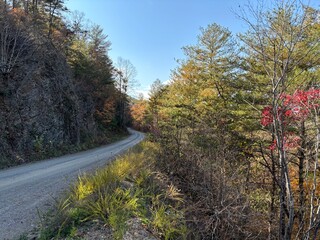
128	188
43	151
238	125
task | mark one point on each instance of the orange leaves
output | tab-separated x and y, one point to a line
138	111
108	112
17	12
138	114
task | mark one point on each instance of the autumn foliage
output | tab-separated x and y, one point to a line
294	108
239	133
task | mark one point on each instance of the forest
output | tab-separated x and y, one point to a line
237	127
58	86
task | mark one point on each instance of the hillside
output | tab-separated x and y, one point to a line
57	83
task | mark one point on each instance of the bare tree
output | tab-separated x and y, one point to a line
14	43
125	75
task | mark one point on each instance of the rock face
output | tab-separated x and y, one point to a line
137	232
40	107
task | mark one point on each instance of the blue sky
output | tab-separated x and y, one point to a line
151	33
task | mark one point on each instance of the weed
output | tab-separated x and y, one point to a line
38	144
168	221
125	189
83	188
5	161
22	237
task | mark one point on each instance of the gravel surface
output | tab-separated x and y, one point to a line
28	190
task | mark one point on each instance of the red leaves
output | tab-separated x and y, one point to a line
296	107
288	113
267	117
303	101
273	145
289	141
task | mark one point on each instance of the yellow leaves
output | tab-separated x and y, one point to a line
208	93
308	181
84	188
122	168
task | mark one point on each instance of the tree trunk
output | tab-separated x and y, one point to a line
302	158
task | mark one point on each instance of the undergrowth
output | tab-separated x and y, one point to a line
47	150
127	188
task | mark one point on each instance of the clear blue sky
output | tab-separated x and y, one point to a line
151	33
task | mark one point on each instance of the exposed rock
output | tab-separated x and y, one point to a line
136	231
40	106
94	231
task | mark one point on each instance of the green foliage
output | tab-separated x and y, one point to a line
169	222
5	161
260	200
122	204
207	123
22	237
39	144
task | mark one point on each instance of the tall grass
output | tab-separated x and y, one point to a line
126	188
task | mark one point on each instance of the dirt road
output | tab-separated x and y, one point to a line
28	190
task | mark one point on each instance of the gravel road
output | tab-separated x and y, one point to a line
28	190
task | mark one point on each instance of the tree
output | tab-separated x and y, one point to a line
155	93
125	74
65	66
139	115
191	121
53	7
213	55
276	40
15	42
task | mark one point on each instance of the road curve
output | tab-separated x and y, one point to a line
29	189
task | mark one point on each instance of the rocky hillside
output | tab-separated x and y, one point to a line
56	85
